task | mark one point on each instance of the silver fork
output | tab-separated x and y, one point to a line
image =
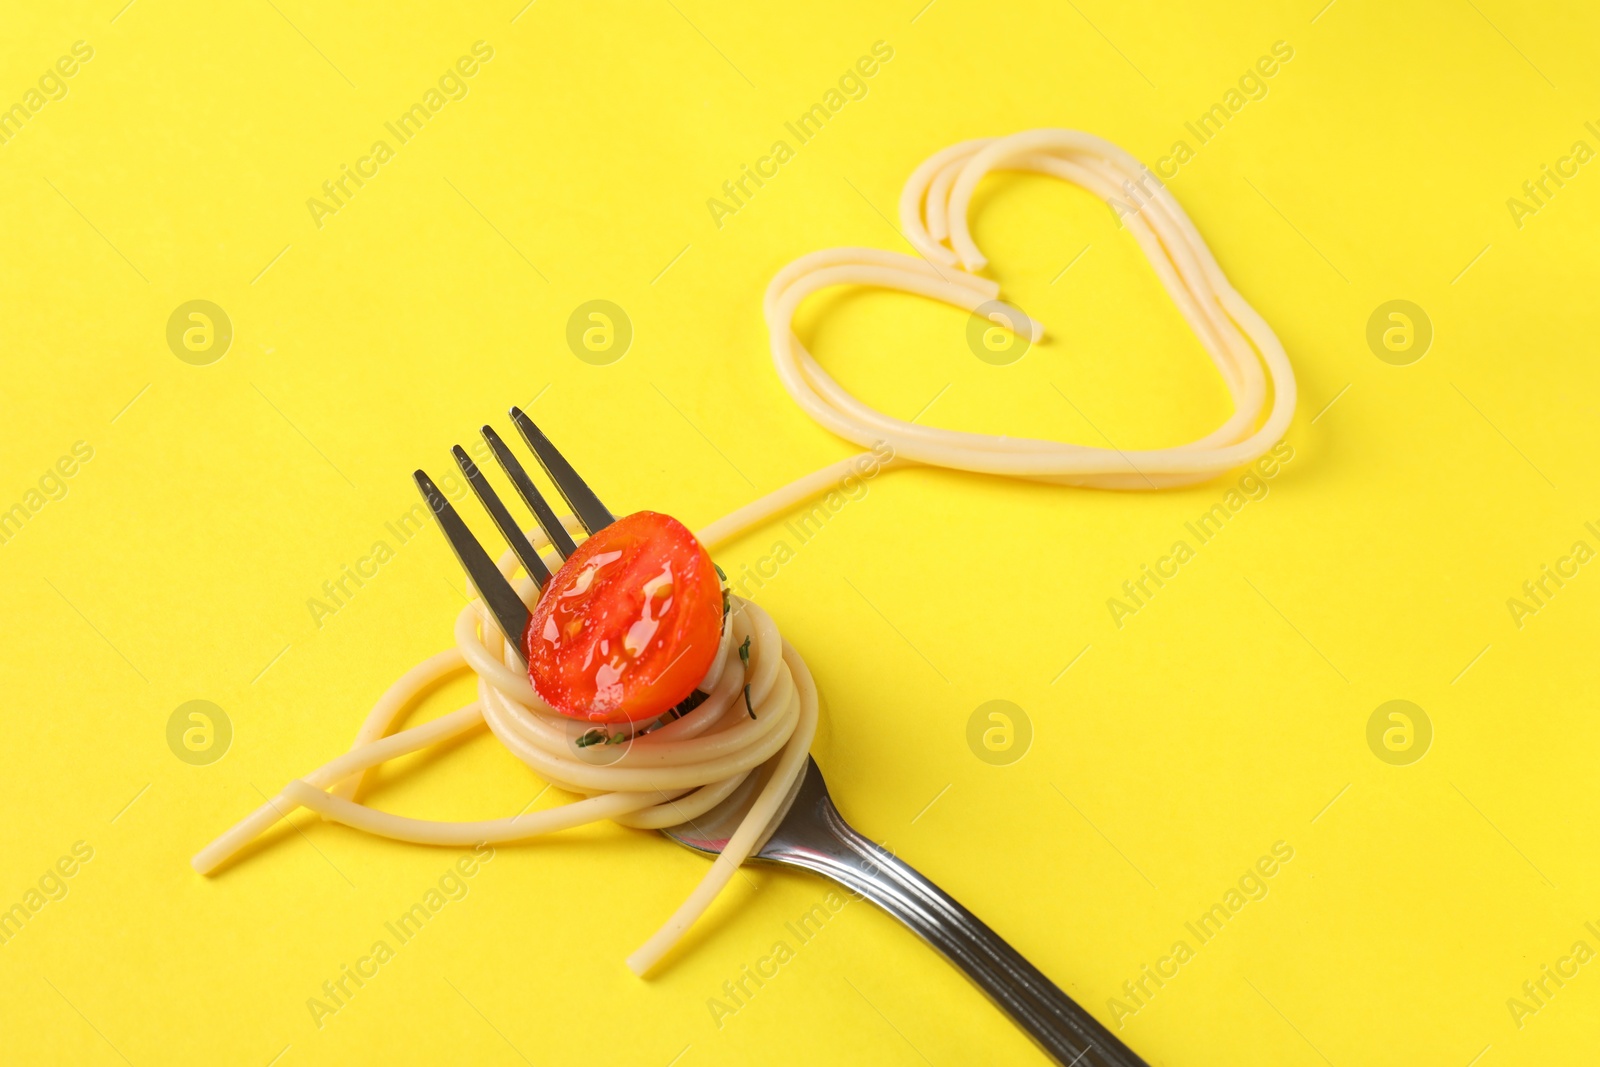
808	831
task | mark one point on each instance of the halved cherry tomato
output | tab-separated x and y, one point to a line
629	625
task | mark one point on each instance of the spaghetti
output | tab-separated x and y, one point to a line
669	773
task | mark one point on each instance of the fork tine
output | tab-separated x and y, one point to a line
542	510
502	518
504	603
579	497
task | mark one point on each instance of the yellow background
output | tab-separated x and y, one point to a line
1220	719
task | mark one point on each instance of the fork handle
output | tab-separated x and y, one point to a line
1062	1028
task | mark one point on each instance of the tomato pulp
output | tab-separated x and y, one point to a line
629	625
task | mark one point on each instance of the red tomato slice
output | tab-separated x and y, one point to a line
629	625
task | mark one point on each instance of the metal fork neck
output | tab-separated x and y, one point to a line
815	836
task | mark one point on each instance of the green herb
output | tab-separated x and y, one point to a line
592	737
744	652
725	602
747	706
617	739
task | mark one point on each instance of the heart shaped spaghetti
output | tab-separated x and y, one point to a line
933	209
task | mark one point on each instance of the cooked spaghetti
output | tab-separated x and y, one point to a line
759	700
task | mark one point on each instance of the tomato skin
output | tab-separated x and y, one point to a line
629	625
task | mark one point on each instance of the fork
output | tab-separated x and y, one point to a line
808	831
